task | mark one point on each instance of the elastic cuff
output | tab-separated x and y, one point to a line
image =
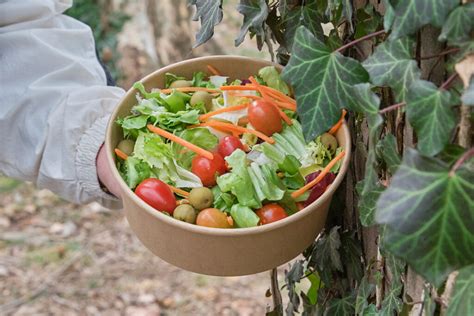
86	168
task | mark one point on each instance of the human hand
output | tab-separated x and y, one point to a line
104	172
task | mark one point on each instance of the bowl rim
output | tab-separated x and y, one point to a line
209	230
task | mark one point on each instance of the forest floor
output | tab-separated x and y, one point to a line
64	259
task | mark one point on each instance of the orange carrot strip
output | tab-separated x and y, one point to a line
213	70
178	191
182	142
230	88
189	89
334	129
267	98
243	121
285	105
279	95
324	172
253	97
232	108
232	127
120	154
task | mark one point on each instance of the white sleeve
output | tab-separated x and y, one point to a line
54	101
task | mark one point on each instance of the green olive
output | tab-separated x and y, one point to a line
201	198
185	213
329	141
126	146
180	84
204	97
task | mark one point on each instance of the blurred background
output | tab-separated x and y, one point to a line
65	259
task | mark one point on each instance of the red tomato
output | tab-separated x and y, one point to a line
264	117
228	144
157	194
207	170
271	213
212	217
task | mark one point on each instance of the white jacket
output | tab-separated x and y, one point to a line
54	101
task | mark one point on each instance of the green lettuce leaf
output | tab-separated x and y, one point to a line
265	182
238	180
243	216
200	81
173	122
170	78
222	201
134	171
201	137
272	78
176	101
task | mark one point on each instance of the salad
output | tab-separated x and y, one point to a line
226	154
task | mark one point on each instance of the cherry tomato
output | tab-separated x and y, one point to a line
271	213
157	194
264	117
212	217
228	144
207	169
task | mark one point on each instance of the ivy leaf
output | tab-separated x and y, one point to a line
392	304
210	14
365	101
428	216
462	301
389	15
352	254
255	13
411	15
325	255
430	111
429	304
371	310
322	80
392	65
292	277
459	24
468	95
366	290
451	153
341	306
306	15
387	149
367	203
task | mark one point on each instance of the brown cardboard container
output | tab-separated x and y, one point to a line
213	251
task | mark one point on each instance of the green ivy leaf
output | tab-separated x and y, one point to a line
392	65
411	15
387	149
371	310
306	15
210	14
322	80
428	216
430	111
468	95
462	301
341	306
367	203
451	153
255	13
389	15
392	304
365	101
352	253
366	290
292	277
458	26
325	255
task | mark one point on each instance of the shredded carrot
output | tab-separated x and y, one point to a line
285	105
121	154
250	96
213	70
232	127
182	142
189	89
223	110
238	88
267	98
334	129
323	173
279	95
230	220
243	121
178	191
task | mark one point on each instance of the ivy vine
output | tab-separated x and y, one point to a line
421	201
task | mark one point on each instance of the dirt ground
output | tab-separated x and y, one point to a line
64	259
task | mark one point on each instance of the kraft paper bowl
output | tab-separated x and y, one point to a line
213	251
